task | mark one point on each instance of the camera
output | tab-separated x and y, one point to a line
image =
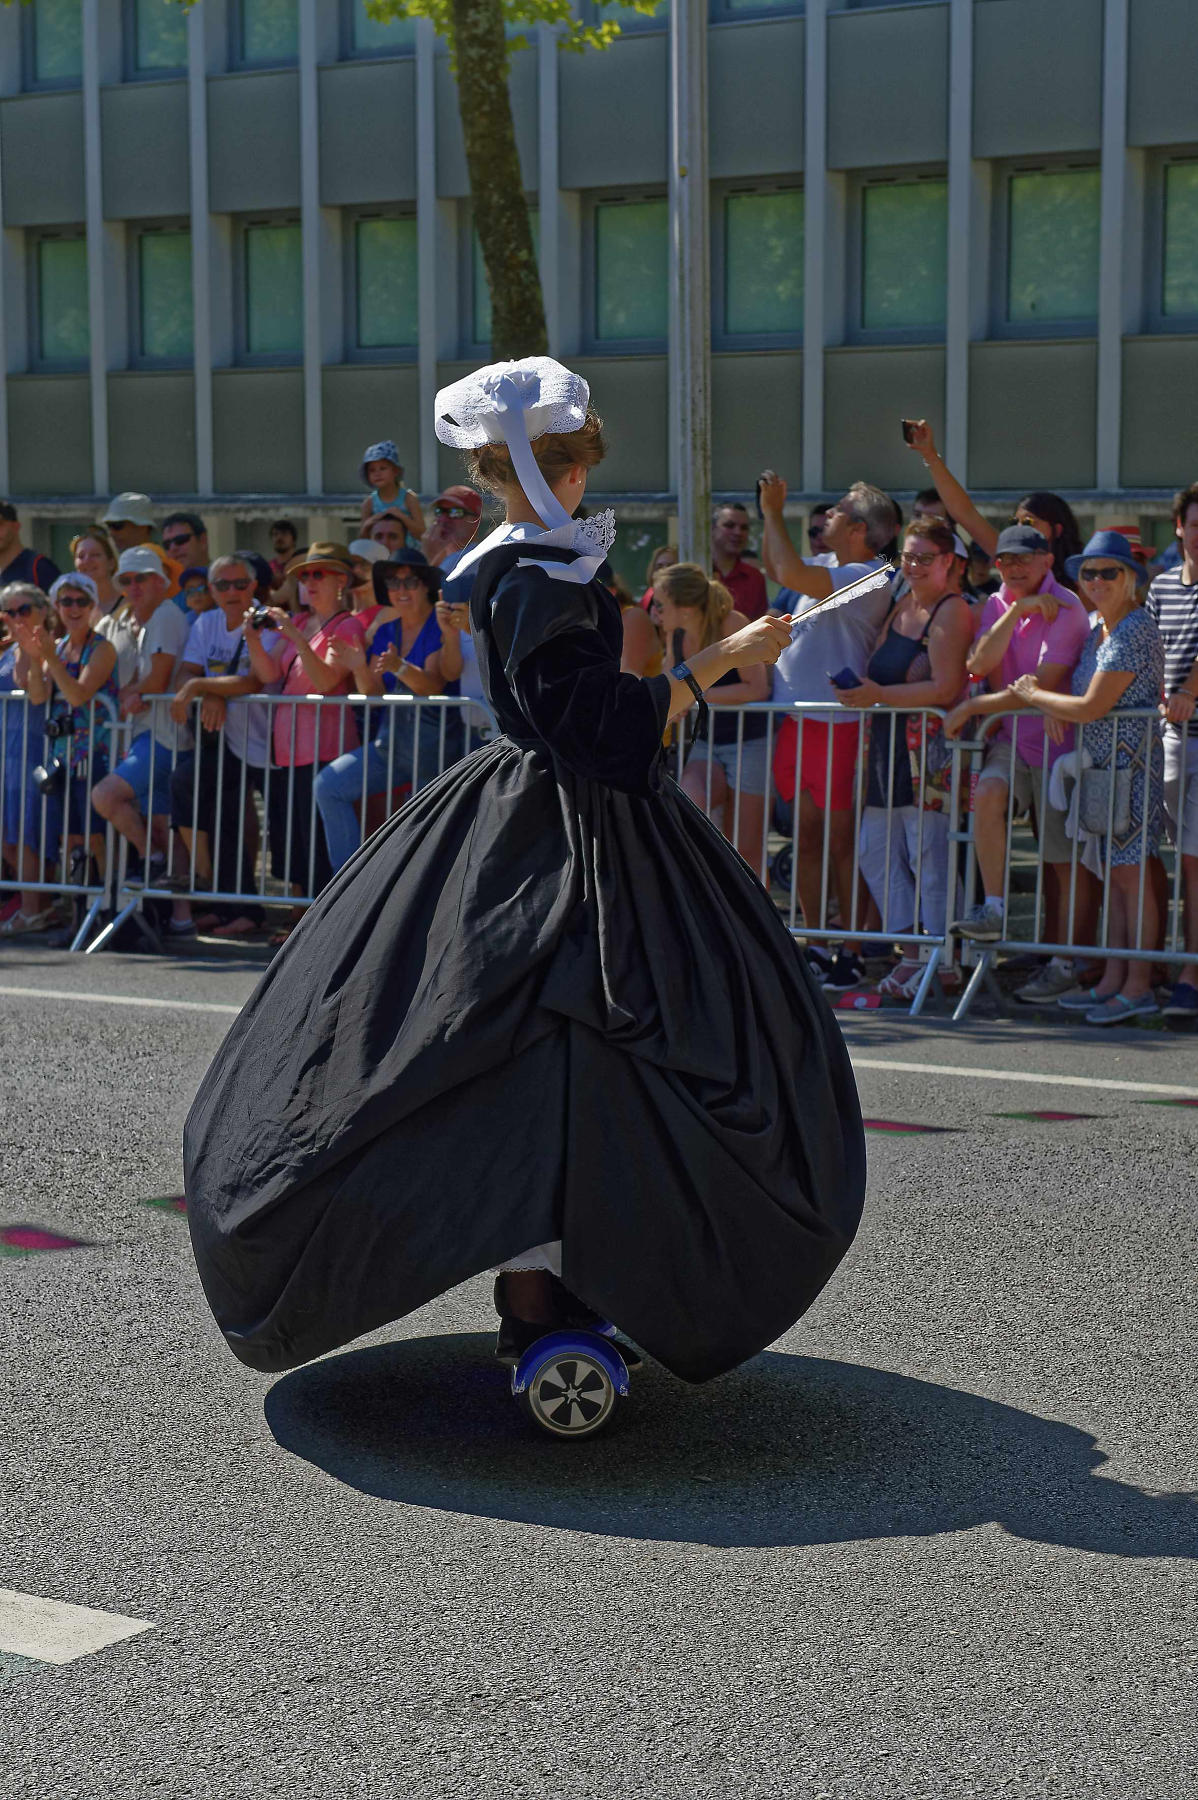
57	729
258	618
50	778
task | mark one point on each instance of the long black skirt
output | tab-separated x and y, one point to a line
531	1007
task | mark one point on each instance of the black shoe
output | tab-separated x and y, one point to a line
848	971
515	1336
819	962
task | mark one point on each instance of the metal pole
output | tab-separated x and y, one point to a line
690	278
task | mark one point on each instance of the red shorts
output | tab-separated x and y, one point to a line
813	776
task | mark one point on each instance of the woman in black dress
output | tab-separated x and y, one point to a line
545	1019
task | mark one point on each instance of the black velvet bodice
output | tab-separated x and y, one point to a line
549	660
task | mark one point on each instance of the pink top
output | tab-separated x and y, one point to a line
1034	642
296	725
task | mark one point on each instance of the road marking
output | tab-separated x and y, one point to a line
1081	1081
205	1006
54	1632
29	1240
859	1062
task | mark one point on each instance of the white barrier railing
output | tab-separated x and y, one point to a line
52	844
852	851
1088	915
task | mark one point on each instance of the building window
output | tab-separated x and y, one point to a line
904	258
629	288
365	36
628	18
163	314
267	32
742	9
63	336
385	306
479	324
1052	218
272	309
1179	283
53	43
157	32
759	241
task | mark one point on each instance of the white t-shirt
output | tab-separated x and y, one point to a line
842	637
212	647
167	630
122	635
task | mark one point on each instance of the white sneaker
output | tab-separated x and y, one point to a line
1056	977
982	924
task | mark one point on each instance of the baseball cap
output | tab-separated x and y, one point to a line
1021	540
129	509
465	497
369	549
142	559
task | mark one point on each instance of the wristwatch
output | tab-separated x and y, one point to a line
683	672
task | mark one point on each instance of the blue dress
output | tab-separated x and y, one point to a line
1134	647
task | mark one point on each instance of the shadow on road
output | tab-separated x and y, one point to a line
787	1450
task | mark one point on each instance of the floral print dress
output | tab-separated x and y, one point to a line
1134	647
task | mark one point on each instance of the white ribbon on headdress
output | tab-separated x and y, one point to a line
512	392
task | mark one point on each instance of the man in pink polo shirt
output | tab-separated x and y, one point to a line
1032	625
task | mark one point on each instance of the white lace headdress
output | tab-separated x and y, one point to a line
512	403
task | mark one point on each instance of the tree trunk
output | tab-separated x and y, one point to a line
496	184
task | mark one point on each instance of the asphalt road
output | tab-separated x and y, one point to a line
940	1540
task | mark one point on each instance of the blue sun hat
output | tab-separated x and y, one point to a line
1111	546
385	451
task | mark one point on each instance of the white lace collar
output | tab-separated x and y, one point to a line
590	539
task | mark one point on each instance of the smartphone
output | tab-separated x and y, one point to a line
760	514
909	430
845	679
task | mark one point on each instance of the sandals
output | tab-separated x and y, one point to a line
23	924
899	985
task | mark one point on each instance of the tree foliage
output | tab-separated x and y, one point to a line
481	36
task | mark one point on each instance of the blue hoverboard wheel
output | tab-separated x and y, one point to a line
569	1381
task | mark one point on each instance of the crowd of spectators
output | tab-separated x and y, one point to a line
951	626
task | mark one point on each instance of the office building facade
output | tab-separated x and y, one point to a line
237	246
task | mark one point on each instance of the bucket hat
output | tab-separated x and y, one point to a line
1110	546
386	450
325	554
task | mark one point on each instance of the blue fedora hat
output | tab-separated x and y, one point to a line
1112	546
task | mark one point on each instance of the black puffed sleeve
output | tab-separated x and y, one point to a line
602	724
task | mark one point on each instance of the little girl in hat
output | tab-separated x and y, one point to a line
382	472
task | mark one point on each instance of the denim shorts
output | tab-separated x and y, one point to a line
754	765
135	769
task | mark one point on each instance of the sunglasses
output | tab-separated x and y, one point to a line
226	587
453	512
177	543
23	611
1108	574
923	560
407	582
74	601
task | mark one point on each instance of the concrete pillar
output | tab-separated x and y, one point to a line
97	250
1113	251
690	278
959	307
815	242
201	246
311	234
427	260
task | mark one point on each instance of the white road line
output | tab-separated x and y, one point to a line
1081	1081
859	1062
205	1006
54	1632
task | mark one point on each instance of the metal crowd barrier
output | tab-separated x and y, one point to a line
1083	905
767	828
45	785
910	872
